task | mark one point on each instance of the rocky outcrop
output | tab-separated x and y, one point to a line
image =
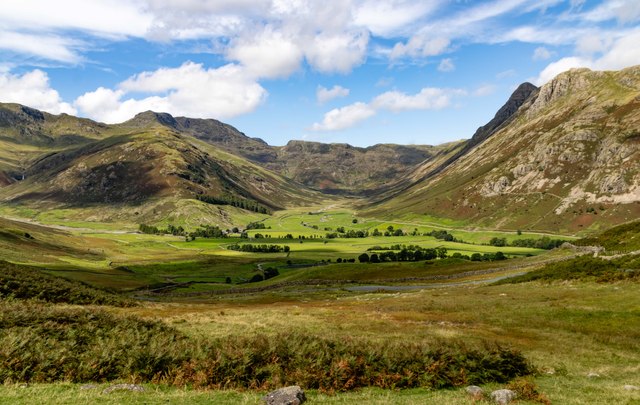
503	397
293	395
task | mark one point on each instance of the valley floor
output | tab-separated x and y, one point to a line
582	336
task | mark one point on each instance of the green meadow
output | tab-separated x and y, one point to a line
200	293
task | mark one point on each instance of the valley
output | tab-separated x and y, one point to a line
224	267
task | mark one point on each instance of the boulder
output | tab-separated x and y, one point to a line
503	397
475	392
631	388
293	395
123	387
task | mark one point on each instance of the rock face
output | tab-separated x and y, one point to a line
502	118
293	395
564	158
503	397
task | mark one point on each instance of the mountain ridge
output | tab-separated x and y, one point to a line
551	158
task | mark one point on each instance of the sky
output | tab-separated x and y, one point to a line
351	71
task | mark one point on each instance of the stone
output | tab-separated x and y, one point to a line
123	387
631	388
88	386
503	397
475	391
293	395
593	375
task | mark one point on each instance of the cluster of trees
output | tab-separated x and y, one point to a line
347	234
391	231
269	272
255	225
245	204
443	235
208	231
404	255
478	257
169	230
248	247
203	231
543	243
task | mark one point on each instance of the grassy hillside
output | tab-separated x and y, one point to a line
23	282
567	162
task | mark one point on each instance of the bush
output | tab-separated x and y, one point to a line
43	343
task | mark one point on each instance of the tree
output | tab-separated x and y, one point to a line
376	232
374	258
287	249
354	221
499	242
363	258
499	256
227	280
270	272
390	228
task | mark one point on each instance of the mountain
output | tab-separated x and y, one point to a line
143	171
330	168
565	157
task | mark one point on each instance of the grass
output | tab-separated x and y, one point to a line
22	282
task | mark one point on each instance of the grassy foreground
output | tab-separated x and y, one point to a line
569	330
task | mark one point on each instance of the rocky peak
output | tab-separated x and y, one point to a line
515	101
565	83
150	117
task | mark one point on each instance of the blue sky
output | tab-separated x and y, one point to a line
355	71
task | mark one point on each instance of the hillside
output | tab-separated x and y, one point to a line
132	172
330	168
567	160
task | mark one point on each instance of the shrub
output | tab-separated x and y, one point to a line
43	343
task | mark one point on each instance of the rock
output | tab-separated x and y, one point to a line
475	391
293	395
631	388
88	386
123	387
503	397
593	375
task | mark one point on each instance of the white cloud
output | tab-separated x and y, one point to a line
420	46
484	90
428	98
621	53
337	53
32	89
103	17
345	117
267	55
562	65
395	101
590	44
388	17
50	47
446	65
506	74
189	90
324	94
623	10
541	53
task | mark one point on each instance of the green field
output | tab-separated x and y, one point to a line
201	288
